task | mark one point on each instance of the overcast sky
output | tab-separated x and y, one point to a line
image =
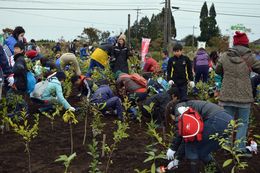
54	24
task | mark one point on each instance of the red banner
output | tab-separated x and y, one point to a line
145	47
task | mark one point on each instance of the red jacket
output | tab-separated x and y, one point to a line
151	65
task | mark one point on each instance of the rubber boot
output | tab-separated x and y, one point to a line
194	166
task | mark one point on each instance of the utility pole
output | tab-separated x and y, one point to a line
193	41
137	16
169	24
165	30
128	34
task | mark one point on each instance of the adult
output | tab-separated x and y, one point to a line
236	95
120	56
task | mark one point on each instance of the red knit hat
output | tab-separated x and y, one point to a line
240	39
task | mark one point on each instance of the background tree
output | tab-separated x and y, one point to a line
91	34
152	28
212	23
104	35
204	33
208	23
189	40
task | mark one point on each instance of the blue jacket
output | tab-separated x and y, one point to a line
102	94
165	64
10	42
54	90
83	52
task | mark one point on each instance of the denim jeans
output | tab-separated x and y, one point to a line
201	150
243	117
92	65
115	104
202	71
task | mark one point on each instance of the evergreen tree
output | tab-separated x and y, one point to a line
204	34
152	28
213	28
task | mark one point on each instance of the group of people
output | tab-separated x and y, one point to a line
168	92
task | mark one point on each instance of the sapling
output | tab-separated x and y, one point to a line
97	128
86	110
24	129
119	135
94	154
126	105
69	117
66	160
228	143
52	115
3	114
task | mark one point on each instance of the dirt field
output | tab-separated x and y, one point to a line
48	145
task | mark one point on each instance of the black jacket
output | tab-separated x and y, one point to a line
160	102
179	69
4	65
20	72
205	109
120	55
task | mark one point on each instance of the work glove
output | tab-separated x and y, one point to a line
170	154
192	84
173	164
171	83
252	147
182	109
72	109
10	80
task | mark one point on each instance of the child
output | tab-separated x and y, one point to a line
178	69
215	120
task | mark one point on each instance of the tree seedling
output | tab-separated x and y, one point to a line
24	129
52	115
119	135
231	146
66	160
69	117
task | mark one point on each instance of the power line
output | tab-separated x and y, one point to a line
224	14
77	9
66	19
222	2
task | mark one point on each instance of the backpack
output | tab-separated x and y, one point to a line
31	82
190	125
39	89
140	80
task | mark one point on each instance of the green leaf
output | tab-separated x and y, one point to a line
227	162
72	156
153	168
148	159
61	158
